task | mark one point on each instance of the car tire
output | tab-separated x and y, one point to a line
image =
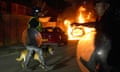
82	30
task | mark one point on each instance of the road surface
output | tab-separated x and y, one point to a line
64	58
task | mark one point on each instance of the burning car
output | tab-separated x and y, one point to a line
82	28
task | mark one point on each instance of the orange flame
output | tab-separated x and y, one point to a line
84	16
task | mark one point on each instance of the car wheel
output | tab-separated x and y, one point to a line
62	42
82	32
65	42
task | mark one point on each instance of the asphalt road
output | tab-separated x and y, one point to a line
64	58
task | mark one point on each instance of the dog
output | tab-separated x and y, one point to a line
46	51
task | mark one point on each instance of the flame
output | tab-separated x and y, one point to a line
69	30
83	16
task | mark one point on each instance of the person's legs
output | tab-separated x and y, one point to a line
29	55
39	51
44	65
102	55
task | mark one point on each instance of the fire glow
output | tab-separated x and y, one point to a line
84	16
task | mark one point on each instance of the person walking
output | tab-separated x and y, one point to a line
32	41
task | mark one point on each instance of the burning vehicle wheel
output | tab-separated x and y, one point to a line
78	32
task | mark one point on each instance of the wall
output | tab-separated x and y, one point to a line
11	28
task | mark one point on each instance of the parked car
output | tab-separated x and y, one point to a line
54	36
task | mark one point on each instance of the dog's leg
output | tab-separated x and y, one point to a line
22	56
19	58
36	57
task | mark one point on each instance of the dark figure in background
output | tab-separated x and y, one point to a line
103	39
32	41
109	21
